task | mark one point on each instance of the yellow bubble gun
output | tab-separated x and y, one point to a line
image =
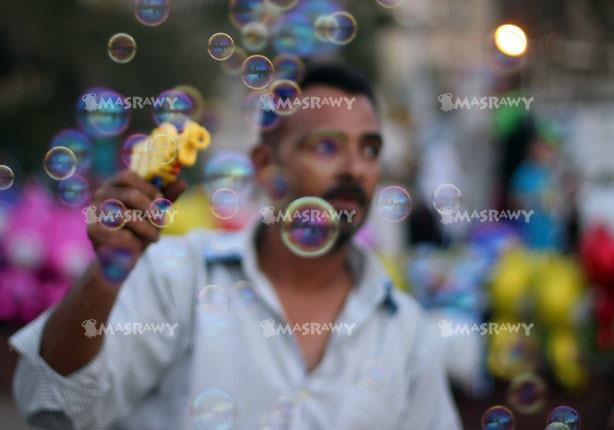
160	157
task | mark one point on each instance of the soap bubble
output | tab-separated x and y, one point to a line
116	263
242	12
175	107
129	144
565	415
257	72
283	5
7	177
225	203
213	300
343	30
121	48
288	66
111	214
229	169
74	191
220	46
446	199
389	4
79	143
394	203
213	409
102	112
527	393
498	418
152	12
60	163
310	227
161	212
254	36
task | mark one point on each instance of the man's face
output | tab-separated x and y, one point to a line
332	153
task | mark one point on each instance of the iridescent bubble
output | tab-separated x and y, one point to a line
565	415
213	300
129	144
446	199
259	112
289	66
293	34
310	227
374	374
242	12
257	72
111	214
527	393
162	148
60	163
389	4
254	36
152	12
102	112
121	48
174	107
197	100
556	426
323	27
276	182
232	66
283	5
286	97
229	169
225	203
213	409
116	263
498	418
220	46
344	29
7	177
245	291
394	203
79	143
161	212
74	191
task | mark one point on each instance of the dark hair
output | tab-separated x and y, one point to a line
336	75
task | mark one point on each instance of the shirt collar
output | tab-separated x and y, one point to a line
372	288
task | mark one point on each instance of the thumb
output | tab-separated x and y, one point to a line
174	190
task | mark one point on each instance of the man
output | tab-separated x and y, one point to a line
227	364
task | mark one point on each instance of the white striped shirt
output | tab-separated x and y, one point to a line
235	369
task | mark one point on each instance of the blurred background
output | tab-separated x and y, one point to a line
498	151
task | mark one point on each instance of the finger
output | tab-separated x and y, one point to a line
174	190
130	179
132	198
144	230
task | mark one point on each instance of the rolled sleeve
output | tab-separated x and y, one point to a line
127	366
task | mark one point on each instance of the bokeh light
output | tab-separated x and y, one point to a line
511	40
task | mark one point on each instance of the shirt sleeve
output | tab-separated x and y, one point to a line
430	405
129	363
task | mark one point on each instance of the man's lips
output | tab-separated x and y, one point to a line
346	202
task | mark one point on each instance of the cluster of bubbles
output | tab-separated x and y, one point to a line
309	228
498	418
7	177
121	48
213	409
393	203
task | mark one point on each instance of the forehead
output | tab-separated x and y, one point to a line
353	114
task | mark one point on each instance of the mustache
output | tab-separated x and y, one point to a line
352	190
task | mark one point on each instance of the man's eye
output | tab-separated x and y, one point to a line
371	151
326	147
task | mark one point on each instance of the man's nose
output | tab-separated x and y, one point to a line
353	166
